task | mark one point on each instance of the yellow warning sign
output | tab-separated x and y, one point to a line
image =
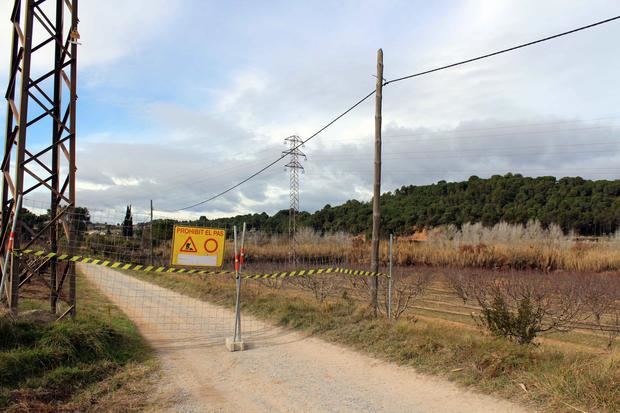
197	246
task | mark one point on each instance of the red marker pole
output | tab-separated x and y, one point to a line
9	247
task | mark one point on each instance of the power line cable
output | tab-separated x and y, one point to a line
527	171
359	102
451	155
428	137
284	155
510	49
431	135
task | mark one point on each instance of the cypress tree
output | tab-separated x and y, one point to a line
128	223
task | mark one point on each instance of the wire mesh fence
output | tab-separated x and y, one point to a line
161	311
324	268
128	257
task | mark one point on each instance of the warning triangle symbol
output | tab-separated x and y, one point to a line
189	246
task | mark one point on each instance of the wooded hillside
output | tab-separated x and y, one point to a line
586	206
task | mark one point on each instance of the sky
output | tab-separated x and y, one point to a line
179	100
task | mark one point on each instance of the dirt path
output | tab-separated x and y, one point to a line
282	371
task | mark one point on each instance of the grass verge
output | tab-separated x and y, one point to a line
97	362
542	376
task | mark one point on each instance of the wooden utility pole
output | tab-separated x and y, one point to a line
376	208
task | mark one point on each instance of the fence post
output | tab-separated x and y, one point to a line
236	344
390	281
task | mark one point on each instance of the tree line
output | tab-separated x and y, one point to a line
588	207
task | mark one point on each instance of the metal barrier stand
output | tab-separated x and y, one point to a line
236	343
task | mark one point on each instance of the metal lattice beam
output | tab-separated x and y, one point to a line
44	32
294	166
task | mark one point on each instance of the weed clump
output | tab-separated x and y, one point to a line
41	354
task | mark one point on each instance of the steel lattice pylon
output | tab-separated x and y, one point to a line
295	167
39	152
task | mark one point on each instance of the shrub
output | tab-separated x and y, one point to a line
521	325
520	306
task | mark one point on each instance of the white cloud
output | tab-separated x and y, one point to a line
243	84
110	30
113	29
83	185
211	93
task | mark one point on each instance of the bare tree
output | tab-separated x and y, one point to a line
321	285
614	328
357	287
462	282
601	294
272	283
406	289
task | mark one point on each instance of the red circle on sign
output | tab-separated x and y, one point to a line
210	241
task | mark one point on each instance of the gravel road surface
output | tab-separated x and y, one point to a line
282	371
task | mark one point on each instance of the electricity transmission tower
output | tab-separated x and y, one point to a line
294	166
39	150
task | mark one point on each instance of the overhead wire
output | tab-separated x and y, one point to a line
336	119
483	155
388	82
474	151
431	135
456	135
182	181
499	170
509	49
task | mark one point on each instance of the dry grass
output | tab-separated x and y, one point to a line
503	246
599	257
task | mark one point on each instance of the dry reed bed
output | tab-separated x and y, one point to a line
580	258
503	246
535	256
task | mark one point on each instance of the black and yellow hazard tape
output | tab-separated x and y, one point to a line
176	270
117	264
318	271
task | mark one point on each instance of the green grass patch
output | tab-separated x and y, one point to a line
549	378
45	365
